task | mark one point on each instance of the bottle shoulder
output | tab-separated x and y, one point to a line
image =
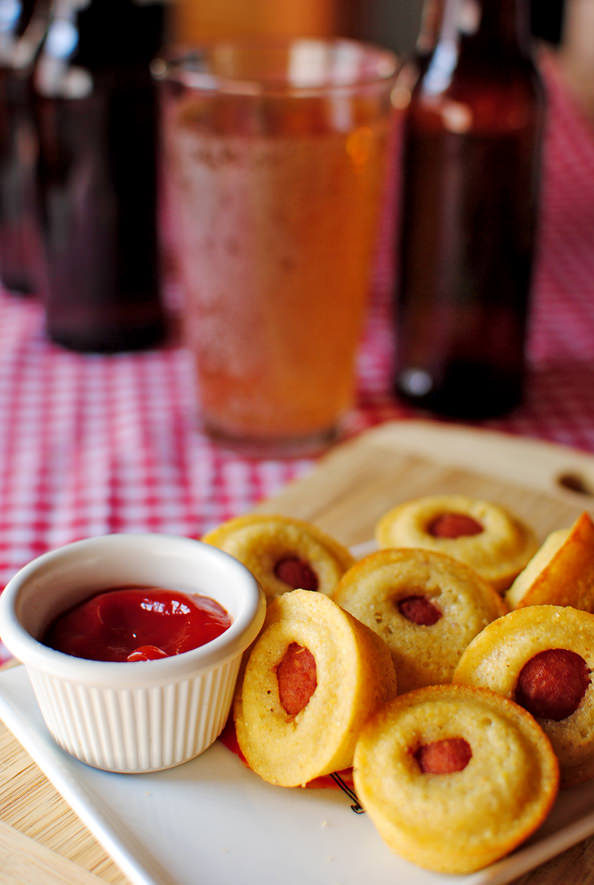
450	67
486	94
83	50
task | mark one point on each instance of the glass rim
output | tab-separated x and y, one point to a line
187	66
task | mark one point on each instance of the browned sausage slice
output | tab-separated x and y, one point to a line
297	678
552	683
444	757
297	573
419	610
454	525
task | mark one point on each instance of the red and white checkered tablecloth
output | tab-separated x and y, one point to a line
94	444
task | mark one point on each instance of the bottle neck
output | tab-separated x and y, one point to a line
488	24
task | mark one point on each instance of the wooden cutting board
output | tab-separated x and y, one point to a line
43	842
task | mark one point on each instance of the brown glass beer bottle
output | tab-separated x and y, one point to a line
22	28
96	112
469	202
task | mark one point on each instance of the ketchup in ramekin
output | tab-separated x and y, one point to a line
136	624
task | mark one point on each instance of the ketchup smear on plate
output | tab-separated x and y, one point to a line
137	624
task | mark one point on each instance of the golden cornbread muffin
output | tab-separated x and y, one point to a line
542	656
453	777
426	606
283	553
561	572
312	678
482	534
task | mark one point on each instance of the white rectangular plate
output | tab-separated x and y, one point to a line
212	821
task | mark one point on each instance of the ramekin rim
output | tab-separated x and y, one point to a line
33	653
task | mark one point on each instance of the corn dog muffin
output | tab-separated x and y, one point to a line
426	606
482	534
561	572
453	777
312	678
283	553
542	656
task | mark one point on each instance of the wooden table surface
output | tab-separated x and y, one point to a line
43	842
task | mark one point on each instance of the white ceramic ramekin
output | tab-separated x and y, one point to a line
142	716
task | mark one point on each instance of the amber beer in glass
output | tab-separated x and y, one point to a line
275	158
472	143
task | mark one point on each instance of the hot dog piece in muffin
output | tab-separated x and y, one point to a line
561	572
312	678
425	605
454	777
283	553
480	533
542	656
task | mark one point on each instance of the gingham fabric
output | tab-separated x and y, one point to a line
93	444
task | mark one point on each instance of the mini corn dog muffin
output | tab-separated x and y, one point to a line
283	553
426	606
482	534
542	657
312	678
561	572
453	777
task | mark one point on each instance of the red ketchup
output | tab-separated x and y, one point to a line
136	624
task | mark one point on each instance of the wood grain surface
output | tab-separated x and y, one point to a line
43	842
